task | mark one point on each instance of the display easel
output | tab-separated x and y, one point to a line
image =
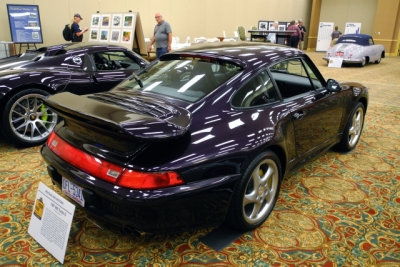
124	29
26	45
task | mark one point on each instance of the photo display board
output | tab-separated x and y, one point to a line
118	28
24	23
324	36
352	27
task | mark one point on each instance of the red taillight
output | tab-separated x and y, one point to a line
108	171
142	180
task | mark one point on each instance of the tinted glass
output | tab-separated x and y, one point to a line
291	78
188	79
258	91
117	60
314	79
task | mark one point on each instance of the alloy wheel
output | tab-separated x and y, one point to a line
260	192
30	119
356	126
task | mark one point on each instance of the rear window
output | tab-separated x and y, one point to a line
186	78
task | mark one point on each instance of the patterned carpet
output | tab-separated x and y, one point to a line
340	209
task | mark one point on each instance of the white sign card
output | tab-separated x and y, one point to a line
51	221
335	62
324	36
352	27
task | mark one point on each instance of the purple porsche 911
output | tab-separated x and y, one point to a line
205	135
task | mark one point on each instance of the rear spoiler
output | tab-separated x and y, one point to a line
133	115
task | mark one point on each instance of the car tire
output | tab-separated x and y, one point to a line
26	121
353	130
363	62
256	193
378	61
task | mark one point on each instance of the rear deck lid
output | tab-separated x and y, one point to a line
128	113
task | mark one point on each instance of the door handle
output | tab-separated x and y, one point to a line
299	115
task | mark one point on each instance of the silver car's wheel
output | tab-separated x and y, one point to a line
29	120
353	130
356	127
260	192
363	62
256	192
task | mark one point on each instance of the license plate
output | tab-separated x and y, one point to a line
339	54
73	191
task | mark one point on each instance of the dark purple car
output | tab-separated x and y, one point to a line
205	135
25	80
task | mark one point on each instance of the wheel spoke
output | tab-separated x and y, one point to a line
23	107
35	105
18	119
256	177
249	198
256	210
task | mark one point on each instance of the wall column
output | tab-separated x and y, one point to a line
314	25
387	26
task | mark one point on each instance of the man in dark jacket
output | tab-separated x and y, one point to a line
77	33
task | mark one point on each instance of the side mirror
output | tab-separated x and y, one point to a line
333	86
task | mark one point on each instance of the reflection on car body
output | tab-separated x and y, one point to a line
25	80
205	135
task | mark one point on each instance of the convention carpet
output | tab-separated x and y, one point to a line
338	210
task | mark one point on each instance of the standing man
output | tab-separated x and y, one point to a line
162	36
77	33
295	36
303	32
272	36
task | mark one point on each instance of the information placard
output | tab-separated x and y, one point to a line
24	23
51	221
324	36
335	62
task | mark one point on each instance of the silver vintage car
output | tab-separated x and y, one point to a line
356	48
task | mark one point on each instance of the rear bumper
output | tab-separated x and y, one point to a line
178	208
347	60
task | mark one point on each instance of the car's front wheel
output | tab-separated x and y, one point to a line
352	132
257	192
26	120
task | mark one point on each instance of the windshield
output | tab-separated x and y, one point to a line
188	78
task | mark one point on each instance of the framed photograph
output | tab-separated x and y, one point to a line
94	35
281	27
104	35
116	21
115	34
126	36
271	25
262	25
105	20
128	21
95	21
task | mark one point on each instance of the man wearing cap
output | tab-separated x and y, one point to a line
77	33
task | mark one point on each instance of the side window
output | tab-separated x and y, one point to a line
371	42
258	91
116	60
314	79
291	78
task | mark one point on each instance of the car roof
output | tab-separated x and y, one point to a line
243	53
358	35
360	39
71	47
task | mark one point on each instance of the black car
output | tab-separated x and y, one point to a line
204	135
25	80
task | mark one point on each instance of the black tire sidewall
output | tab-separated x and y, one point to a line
235	216
7	131
344	143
